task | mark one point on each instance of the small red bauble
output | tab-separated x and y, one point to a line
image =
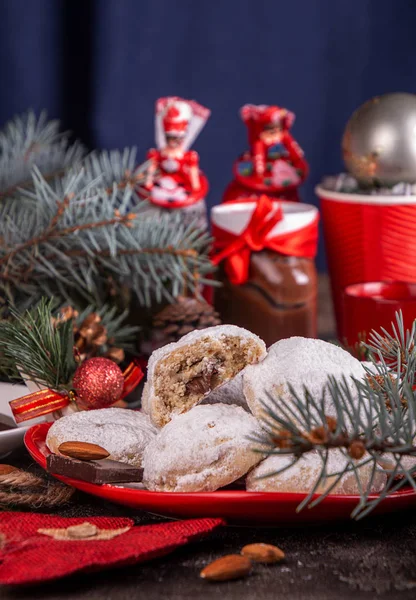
98	382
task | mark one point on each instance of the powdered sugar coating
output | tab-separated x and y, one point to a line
229	393
201	345
123	433
388	463
302	476
298	362
145	398
201	450
216	332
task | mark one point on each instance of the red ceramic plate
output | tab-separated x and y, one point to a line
240	507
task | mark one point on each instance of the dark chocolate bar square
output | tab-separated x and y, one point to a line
93	471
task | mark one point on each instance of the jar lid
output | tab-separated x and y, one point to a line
234	217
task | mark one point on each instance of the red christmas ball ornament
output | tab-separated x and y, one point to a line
98	382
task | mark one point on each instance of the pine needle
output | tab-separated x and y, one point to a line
32	348
69	224
380	418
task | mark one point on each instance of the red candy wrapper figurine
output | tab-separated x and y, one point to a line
173	178
275	163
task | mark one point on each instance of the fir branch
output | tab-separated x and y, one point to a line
33	348
119	332
27	141
70	244
395	348
68	227
117	170
51	232
359	349
375	421
178	252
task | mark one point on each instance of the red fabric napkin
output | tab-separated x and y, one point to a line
28	556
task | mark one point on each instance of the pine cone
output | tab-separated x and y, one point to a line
90	336
65	314
184	316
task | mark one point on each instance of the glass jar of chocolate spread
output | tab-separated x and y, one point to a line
276	298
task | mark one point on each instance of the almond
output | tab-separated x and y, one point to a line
82	531
7	469
232	566
263	553
83	451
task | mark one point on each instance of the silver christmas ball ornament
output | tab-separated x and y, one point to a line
379	142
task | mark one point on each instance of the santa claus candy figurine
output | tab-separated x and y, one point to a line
275	162
173	179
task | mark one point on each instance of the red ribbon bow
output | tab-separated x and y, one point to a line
236	249
46	401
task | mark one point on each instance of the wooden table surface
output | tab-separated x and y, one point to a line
375	558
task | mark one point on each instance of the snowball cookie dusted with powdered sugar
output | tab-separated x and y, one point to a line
301	477
202	450
181	374
145	398
123	433
229	393
298	362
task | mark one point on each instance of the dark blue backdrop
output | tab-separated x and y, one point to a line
99	65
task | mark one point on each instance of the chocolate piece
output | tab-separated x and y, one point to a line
278	300
93	471
4	427
6	423
202	383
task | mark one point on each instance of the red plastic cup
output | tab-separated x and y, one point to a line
367	238
372	305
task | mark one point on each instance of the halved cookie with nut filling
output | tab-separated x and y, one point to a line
180	375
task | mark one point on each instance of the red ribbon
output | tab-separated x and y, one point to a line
47	401
37	404
132	377
236	249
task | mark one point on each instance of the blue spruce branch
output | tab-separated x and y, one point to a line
27	141
78	226
376	424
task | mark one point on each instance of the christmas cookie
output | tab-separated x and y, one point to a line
123	433
229	393
145	398
202	450
181	374
298	362
301	477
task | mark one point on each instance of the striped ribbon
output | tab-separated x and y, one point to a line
46	401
